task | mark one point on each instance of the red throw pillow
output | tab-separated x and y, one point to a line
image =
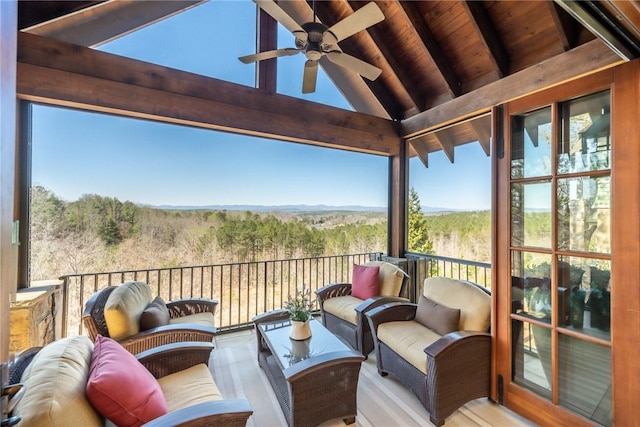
121	388
364	283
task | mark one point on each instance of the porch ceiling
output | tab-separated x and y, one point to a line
441	61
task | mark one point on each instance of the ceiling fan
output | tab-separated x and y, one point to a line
320	43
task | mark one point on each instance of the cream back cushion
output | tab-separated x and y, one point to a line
390	278
124	307
55	382
473	302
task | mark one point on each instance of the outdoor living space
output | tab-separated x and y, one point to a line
382	401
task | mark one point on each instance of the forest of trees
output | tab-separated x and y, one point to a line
96	234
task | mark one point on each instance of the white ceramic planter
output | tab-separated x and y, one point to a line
300	330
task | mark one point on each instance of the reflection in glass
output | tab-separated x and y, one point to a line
585	144
586	284
531	363
531	214
531	285
584	214
531	144
585	378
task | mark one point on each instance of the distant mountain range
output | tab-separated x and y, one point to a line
292	208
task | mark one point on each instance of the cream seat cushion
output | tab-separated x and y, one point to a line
343	307
203	319
473	302
55	382
189	387
408	339
390	278
123	309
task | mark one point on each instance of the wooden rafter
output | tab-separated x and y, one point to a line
421	150
480	19
585	59
565	25
433	48
447	142
267	34
482	128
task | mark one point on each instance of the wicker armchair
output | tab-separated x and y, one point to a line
444	370
344	314
179	328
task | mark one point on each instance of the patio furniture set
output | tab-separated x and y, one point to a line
141	349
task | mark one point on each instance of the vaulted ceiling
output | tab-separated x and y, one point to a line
442	62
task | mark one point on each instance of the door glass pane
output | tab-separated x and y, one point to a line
584	214
531	364
585	378
531	214
585	144
584	287
531	285
531	144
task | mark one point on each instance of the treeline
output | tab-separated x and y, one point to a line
96	233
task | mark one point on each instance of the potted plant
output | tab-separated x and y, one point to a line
300	308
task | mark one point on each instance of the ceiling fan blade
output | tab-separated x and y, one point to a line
289	51
361	19
310	76
280	15
354	64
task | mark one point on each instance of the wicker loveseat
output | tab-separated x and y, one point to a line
343	312
131	315
72	382
439	348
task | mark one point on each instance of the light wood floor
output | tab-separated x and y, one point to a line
381	401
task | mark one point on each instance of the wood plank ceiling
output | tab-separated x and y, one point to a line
432	53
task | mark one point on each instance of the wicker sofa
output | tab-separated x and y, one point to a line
131	315
343	313
439	348
71	382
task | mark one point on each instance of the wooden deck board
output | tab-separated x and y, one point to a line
381	401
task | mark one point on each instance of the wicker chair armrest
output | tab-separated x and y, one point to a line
187	306
332	290
459	370
22	360
170	358
226	412
464	342
391	312
168	334
377	301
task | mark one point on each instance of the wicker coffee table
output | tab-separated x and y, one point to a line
315	380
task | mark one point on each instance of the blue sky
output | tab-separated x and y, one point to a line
178	165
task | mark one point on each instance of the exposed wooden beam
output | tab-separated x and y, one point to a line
62	74
565	25
447	142
407	81
585	59
482	128
267	35
421	150
480	19
433	48
109	20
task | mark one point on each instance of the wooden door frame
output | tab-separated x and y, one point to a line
624	83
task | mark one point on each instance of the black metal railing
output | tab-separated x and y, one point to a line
423	266
250	288
242	289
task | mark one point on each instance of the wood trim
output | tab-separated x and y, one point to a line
398	184
8	250
585	59
63	74
625	243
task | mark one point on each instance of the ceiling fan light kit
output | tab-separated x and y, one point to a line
319	42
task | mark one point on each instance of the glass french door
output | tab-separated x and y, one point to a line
560	254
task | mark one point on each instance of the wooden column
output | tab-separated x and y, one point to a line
397	221
8	250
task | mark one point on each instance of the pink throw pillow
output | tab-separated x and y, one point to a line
364	283
121	388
